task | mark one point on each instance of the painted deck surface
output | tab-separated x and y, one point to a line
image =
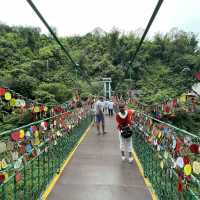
96	171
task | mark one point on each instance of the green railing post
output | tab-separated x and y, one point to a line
38	161
14	188
25	186
48	169
4	192
32	179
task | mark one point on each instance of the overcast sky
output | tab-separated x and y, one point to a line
78	17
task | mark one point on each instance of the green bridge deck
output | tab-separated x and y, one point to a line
96	172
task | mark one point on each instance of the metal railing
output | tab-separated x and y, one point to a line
170	158
29	175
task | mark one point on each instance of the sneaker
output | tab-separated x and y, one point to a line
130	159
123	158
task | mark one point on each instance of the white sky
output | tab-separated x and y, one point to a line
78	17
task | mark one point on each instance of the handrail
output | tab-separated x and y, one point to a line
170	125
27	125
151	149
37	172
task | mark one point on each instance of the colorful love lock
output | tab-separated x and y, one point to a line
54	136
13	102
26	157
22	103
155	142
38	151
29	148
28	134
159	134
33	129
34	153
36	109
188	178
166	155
3	164
197	75
195	148
180	162
36	141
174	103
182	99
54	122
70	127
18	163
58	133
41	108
173	142
180	174
44	125
15	155
180	186
15	136
186	160
17	176
3	147
187	169
2	91
36	134
187	140
2	177
46	149
158	148
6	176
8	96
21	134
196	167
18	103
10	145
45	108
21	149
161	164
60	125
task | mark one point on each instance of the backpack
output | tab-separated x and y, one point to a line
126	131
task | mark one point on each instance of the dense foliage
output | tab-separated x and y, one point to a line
33	64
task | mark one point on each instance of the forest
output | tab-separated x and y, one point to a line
33	64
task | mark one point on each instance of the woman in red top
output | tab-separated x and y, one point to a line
125	118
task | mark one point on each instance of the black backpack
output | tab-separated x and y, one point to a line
126	131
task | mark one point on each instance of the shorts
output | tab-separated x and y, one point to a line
99	118
125	143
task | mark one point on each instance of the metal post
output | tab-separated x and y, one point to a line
107	87
109	90
105	91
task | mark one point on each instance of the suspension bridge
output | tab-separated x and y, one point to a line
60	156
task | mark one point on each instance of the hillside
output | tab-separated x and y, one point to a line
34	65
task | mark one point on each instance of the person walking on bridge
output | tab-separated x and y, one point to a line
110	108
99	106
124	120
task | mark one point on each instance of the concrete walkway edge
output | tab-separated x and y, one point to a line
57	176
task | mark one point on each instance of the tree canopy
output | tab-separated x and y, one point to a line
33	64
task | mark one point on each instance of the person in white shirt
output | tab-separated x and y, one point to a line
110	108
99	106
106	103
